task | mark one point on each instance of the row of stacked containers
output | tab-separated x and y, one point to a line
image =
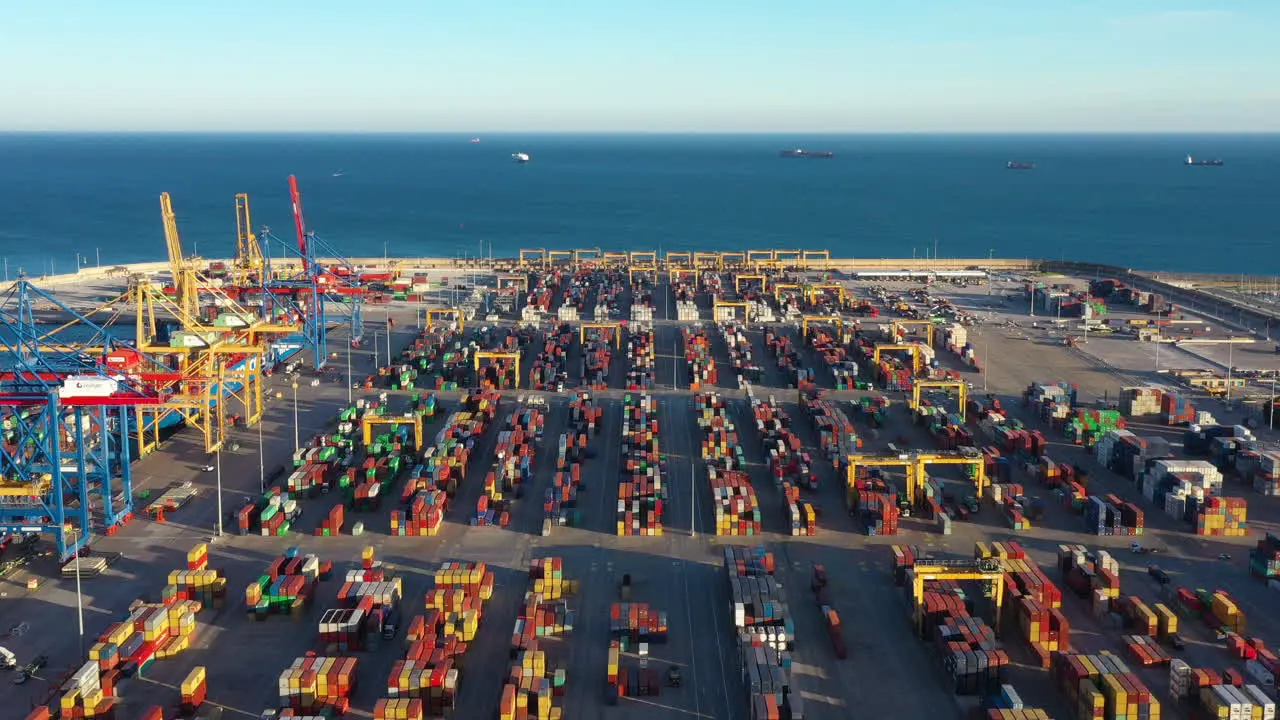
424	682
837	439
741	352
436	359
550	365
534	687
829	344
789	466
560	502
500	373
765	634
698	358
788	360
642	483
513	466
734	504
641	360
597	358
443	465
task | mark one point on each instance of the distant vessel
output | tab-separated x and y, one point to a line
799	153
475	140
339	173
1020	165
520	157
1208	163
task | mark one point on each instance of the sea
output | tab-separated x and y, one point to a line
68	199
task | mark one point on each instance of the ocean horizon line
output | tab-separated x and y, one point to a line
649	133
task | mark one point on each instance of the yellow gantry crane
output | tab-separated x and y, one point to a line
533	257
633	269
519	283
985	570
708	260
370	420
898	328
514	357
917	362
810	256
957	385
437	317
806	320
718	306
674	275
740	280
215	362
812	292
779	289
916	466
249	263
679	260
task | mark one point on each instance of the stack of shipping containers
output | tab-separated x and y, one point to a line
765	633
642	487
533	686
734	502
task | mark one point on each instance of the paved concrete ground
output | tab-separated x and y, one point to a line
888	673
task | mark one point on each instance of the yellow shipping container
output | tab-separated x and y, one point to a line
1168	621
193	680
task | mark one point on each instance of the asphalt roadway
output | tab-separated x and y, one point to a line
888	673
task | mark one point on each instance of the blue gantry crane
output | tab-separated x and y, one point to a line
64	459
310	291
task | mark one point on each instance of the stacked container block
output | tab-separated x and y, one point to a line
1102	686
640	360
765	632
560	502
642	488
532	686
288	586
836	437
697	355
314	684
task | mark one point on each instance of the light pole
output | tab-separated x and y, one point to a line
350	381
97	256
79	595
217	462
388	340
1271	409
693	500
262	464
297	443
375	348
1157	348
1231	346
985	369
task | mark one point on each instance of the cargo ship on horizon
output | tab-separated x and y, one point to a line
1011	165
801	153
1203	163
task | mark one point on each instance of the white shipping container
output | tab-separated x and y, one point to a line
88	386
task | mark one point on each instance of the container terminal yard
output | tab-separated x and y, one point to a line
768	484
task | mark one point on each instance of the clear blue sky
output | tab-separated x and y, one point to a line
658	65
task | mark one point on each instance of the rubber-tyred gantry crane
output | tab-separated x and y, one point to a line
65	456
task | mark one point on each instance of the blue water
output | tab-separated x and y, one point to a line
1122	199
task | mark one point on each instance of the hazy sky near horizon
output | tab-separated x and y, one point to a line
660	65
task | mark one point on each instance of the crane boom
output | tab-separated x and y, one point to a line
297	216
